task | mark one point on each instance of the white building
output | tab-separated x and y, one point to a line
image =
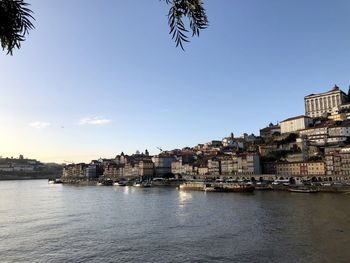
176	166
226	166
317	105
322	135
339	131
253	164
295	124
214	167
246	164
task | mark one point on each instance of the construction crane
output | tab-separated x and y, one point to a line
160	149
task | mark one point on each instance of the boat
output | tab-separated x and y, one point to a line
108	182
217	187
146	184
143	184
51	181
192	186
241	188
264	187
302	190
214	189
284	182
120	183
54	181
105	182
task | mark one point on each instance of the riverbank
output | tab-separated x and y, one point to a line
29	175
202	185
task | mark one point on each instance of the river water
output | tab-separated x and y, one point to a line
64	223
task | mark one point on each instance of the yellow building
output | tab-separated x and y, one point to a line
301	168
288	168
338	117
316	168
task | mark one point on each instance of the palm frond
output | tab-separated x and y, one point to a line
194	11
15	23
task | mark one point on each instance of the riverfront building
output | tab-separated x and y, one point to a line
75	171
214	167
146	169
162	164
338	163
300	168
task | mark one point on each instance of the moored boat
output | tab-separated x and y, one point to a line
242	188
54	181
146	184
263	187
143	184
302	190
120	183
51	181
105	182
217	187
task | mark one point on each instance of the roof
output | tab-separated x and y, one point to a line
296	117
334	89
302	162
270	128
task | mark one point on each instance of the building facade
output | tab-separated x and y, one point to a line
75	171
295	124
317	105
146	169
270	130
162	164
301	168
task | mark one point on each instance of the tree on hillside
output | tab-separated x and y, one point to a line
16	21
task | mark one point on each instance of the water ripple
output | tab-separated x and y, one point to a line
41	223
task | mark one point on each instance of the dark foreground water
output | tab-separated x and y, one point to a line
61	223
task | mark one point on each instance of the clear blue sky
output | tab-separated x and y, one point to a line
99	77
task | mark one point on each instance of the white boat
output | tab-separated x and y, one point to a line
284	182
99	184
143	184
303	190
147	184
120	183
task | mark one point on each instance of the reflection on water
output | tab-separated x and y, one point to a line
184	196
62	223
127	189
